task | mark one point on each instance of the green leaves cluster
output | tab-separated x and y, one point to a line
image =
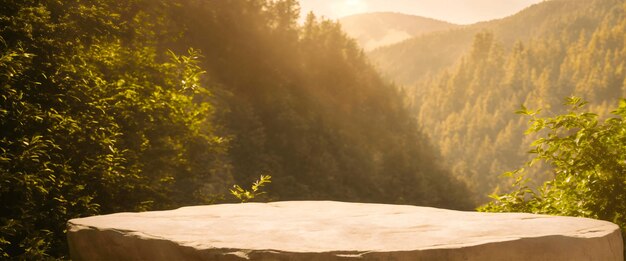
245	195
587	162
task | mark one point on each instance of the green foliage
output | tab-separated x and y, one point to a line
92	122
587	160
245	195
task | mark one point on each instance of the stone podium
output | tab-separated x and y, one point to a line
327	230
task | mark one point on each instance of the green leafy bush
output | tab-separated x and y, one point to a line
587	158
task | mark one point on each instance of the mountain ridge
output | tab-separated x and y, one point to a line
376	29
441	49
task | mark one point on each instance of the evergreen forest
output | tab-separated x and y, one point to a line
464	85
111	106
115	106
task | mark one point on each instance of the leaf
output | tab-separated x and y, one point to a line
246	195
523	110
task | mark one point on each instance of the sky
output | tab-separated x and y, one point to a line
454	11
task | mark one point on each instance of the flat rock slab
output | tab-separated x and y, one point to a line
326	230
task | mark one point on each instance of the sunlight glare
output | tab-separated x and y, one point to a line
348	7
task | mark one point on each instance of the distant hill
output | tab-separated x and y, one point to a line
412	60
373	30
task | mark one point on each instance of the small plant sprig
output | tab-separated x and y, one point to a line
246	195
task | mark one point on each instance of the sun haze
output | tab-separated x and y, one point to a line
454	11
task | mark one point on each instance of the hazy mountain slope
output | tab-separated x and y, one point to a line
373	30
302	103
413	60
464	94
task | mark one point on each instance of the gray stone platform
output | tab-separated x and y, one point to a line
326	230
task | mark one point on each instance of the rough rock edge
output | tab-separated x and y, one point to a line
163	249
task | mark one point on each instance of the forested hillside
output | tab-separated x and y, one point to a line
372	30
109	106
303	104
424	56
566	48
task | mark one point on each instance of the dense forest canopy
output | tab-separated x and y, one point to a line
305	96
537	57
110	106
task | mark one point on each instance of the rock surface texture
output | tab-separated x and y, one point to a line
326	230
